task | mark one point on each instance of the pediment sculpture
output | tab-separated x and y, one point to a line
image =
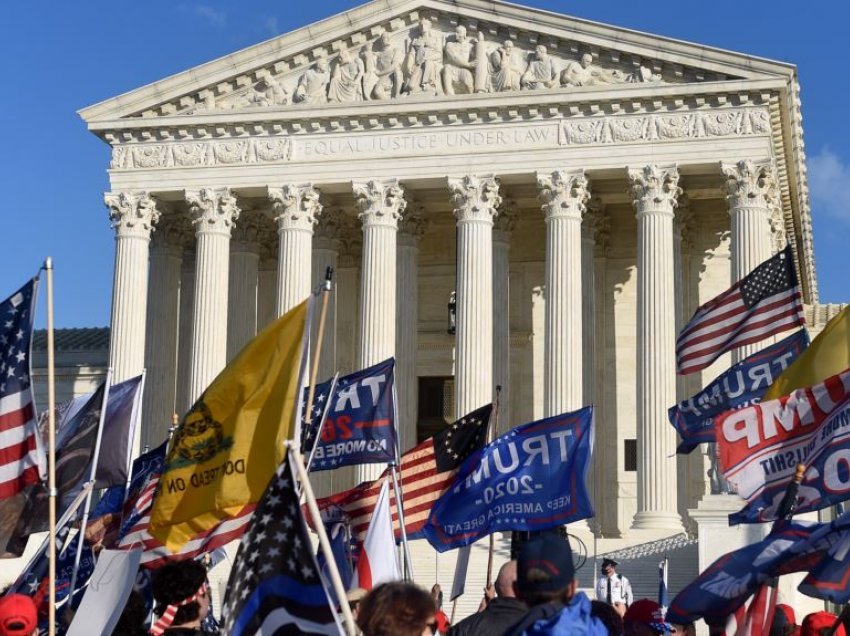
426	61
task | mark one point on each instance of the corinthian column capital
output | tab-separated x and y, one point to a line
655	189
379	202
213	210
749	184
295	207
563	194
133	214
475	198
411	228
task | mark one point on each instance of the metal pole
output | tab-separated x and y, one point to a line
491	428
399	504
307	492
51	454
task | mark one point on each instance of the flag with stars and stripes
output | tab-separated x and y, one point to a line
426	472
358	415
767	301
275	587
21	458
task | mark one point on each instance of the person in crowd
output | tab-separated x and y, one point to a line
546	583
820	624
683	629
645	618
354	597
501	607
439	615
614	588
182	598
18	616
609	616
784	621
397	609
133	618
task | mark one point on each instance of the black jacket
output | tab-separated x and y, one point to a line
500	615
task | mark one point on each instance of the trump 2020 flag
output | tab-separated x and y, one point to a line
741	385
530	478
378	561
829	577
760	447
360	423
228	445
767	301
275	586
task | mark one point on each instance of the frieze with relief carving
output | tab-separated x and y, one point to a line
432	55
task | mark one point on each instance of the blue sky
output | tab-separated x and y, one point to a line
58	57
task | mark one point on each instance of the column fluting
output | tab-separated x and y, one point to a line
244	282
503	226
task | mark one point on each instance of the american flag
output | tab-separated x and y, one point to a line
134	534
275	586
754	617
425	473
21	458
767	301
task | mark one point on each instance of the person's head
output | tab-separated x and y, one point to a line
509	45
609	567
506	585
344	56
322	63
425	25
460	32
645	618
437	595
608	616
354	597
132	620
540	50
545	570
18	616
397	609
784	621
819	624
586	60
181	584
683	629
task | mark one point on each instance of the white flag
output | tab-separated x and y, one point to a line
109	587
378	562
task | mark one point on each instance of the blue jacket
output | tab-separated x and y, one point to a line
573	620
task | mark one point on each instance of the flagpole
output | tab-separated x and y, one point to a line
310	499
491	429
51	453
314	372
92	478
399	495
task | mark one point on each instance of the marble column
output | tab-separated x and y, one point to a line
591	220
133	216
410	232
244	282
381	205
654	191
184	332
326	254
750	192
214	212
564	196
267	277
503	225
476	202
295	209
349	259
166	262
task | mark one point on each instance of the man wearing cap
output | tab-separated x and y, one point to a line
645	618
18	616
546	582
613	588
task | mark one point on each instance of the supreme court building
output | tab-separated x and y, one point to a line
566	193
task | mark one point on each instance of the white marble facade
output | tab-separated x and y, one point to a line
582	188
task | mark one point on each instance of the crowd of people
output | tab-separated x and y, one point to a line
534	595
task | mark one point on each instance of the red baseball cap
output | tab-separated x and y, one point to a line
648	612
17	615
816	621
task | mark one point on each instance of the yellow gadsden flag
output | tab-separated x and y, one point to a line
828	355
230	443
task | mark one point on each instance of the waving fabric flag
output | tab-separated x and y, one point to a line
119	427
229	444
378	561
760	447
829	577
426	471
741	385
360	425
767	301
275	586
754	617
530	478
21	459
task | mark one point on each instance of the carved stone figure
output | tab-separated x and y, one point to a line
541	72
644	74
275	92
347	79
586	73
313	85
425	61
507	67
266	92
382	77
459	68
